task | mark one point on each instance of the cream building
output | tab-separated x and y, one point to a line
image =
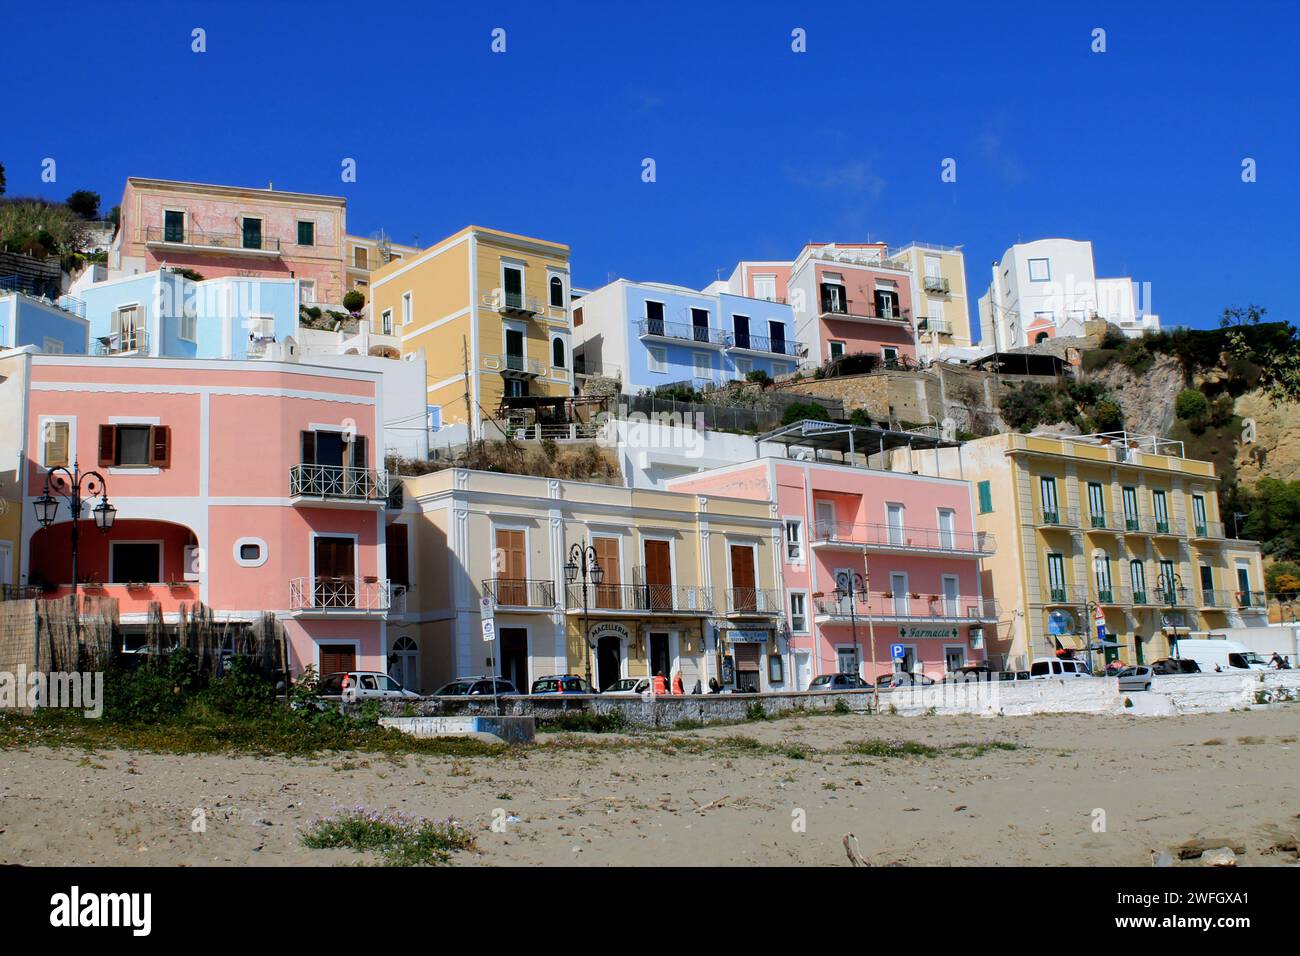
940	303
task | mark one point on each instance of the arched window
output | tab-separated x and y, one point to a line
557	292
404	663
1040	338
557	353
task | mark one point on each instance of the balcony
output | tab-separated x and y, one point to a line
337	486
521	593
1058	518
936	284
1207	530
640	599
1112	596
1171	597
1142	597
886	606
1211	598
754	602
1060	594
1255	600
938	326
131	342
196	240
47	292
1103	522
1165	527
860	310
839	536
662	331
343	597
513	366
744	342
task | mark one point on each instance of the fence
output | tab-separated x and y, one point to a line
732	418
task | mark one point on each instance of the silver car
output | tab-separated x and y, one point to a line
1138	677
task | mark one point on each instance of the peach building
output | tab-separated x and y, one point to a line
250	487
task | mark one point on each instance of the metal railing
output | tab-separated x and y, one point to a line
216	240
682	332
337	482
341	594
1060	594
922	607
1142	596
1170	596
936	284
520	592
1059	517
48	292
858	309
130	342
1103	521
904	538
1251	599
520	364
1207	529
1211	597
927	324
643	598
571	431
754	601
765	343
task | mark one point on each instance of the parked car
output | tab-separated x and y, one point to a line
627	687
1013	675
1217	655
475	687
1137	677
901	679
1168	666
1047	669
970	672
824	682
561	684
363	685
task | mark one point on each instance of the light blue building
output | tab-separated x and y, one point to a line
54	323
649	334
162	313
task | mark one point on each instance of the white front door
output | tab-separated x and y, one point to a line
6	564
802	670
898	584
947	528
894	516
825	520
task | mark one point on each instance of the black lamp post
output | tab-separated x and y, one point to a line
584	567
849	584
74	486
1173	584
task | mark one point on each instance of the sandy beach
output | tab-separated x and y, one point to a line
783	792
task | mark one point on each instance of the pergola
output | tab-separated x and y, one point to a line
848	441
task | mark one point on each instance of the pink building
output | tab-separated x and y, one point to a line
247	486
904	544
233	231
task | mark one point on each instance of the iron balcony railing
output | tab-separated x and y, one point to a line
922	607
765	601
216	240
1142	596
1207	529
927	324
836	533
337	482
1104	521
936	284
511	363
1113	594
1060	594
1170	596
342	594
1163	526
129	342
1253	599
1059	517
764	343
48	291
520	592
1213	598
682	332
860	309
641	598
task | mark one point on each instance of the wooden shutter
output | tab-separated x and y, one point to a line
359	456
309	448
512	567
608	591
107	445
396	555
659	575
160	445
742	577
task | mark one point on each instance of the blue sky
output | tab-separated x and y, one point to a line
757	149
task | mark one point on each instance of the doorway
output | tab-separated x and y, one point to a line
609	661
744	597
802	670
659	575
661	654
749	657
337	657
335	571
404	663
514	657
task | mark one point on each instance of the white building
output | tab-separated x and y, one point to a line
1049	288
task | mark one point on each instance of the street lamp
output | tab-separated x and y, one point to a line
79	486
583	566
1173	584
849	584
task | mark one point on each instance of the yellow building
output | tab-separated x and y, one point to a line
687	584
939	298
490	311
363	255
1119	528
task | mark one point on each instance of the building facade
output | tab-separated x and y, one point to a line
490	310
688	584
1049	288
249	487
55	324
938	276
1114	534
648	334
900	548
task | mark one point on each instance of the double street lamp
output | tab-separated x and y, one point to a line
583	566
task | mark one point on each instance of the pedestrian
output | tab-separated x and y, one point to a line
678	687
1276	662
660	684
714	686
697	689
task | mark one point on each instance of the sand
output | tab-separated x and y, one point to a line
1159	782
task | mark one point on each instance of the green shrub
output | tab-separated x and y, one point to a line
801	411
400	839
1191	405
758	377
353	300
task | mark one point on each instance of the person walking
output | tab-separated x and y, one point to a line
660	684
679	688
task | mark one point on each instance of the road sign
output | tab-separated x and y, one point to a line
489	629
485	608
897	651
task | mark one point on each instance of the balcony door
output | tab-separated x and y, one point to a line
1105	591
700	324
510	560
1056	578
951	599
833	298
659	575
1131	508
887	304
173	226
895	518
1138	579
514	349
825	511
608	592
1047	488
1160	508
947	528
1096	504
1198	514
512	279
776	333
902	601
252	234
654	317
335	566
741	324
744	595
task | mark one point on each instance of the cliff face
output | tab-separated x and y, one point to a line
1147	399
1275	452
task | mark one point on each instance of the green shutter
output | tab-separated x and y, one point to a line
986	497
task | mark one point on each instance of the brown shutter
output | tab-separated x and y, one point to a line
511	563
608	593
160	440
659	575
742	578
309	448
107	445
359	457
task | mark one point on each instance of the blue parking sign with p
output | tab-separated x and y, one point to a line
897	651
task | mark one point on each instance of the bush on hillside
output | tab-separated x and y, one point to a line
1191	405
801	411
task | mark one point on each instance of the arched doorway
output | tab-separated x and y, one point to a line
404	663
609	661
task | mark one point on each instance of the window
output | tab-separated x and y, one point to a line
794	540
434	415
1096	504
1047	488
798	612
1160	508
55	441
134	446
703	366
657	359
127	329
52	346
895	521
1130	508
306	233
386	322
743	368
1056	578
188	324
776	336
765	288
1040	270
557	292
557	352
512	281
835	349
1101	568
132	562
887	304
986	497
577	317
252	233
250	552
1168	579
408	309
360	257
1137	576
834	299
173	226
890	355
307	291
1198	515
700	324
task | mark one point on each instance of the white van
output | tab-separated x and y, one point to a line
1218	655
1047	669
